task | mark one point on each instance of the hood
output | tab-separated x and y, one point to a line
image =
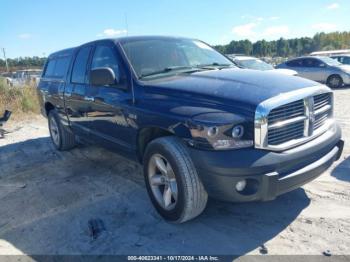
230	86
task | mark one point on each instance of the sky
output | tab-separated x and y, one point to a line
37	28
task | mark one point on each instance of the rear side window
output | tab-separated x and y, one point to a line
57	67
80	66
50	68
61	67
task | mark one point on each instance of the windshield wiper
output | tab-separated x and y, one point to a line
168	69
215	65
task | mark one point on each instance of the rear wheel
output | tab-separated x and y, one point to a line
334	81
61	136
172	181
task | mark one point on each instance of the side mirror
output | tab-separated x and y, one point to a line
102	76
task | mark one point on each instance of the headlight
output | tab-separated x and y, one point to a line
237	131
221	137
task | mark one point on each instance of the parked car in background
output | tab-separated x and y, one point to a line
344	59
322	69
8	76
199	125
27	76
254	63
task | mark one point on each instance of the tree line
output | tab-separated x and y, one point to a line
288	47
22	63
262	48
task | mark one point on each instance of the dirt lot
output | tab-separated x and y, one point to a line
48	197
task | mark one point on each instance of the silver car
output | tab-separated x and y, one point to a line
344	59
321	69
254	63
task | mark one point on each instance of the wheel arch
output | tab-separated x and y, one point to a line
48	107
334	74
148	134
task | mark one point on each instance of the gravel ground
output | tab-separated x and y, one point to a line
48	198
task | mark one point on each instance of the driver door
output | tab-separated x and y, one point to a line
110	105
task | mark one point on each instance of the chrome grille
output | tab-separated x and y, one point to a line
279	126
281	135
323	109
285	112
321	119
322	100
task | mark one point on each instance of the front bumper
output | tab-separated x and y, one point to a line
268	174
346	78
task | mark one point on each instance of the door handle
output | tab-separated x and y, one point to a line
89	98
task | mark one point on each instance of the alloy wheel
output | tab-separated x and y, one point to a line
54	132
162	181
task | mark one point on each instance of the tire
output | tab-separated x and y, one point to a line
334	81
190	198
62	137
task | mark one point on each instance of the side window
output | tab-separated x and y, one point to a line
80	65
295	63
338	58
310	62
105	56
57	67
61	67
50	68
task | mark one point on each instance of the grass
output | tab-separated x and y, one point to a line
21	100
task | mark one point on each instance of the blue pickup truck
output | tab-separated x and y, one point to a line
199	125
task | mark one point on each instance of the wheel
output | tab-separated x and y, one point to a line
172	181
62	137
334	81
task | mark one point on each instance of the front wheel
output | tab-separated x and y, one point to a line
335	81
61	136
172	181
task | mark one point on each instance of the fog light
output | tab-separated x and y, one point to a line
213	131
240	186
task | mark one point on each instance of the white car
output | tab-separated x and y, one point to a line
249	62
23	77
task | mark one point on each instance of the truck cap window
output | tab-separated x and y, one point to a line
149	56
80	65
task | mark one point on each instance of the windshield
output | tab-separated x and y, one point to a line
166	56
255	64
330	61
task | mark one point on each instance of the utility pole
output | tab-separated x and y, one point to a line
7	66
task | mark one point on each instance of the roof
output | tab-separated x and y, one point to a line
341	51
347	55
308	56
62	53
70	51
